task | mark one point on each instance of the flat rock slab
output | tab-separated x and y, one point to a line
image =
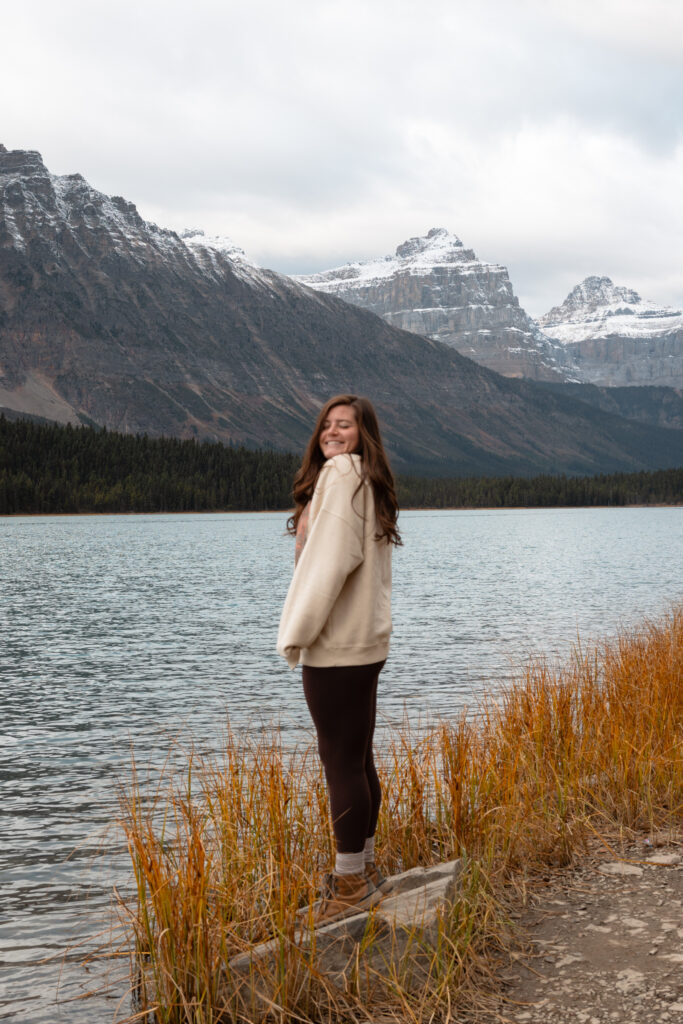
413	902
407	917
618	867
667	859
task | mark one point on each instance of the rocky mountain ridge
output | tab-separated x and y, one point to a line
617	339
433	285
660	407
107	319
596	307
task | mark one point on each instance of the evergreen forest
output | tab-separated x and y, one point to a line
49	468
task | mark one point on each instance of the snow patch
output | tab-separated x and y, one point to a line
197	239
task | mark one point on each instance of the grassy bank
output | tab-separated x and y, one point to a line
224	856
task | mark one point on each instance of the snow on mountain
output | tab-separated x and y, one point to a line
197	238
433	285
597	308
438	248
210	249
34	201
615	338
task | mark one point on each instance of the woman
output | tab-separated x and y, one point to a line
336	624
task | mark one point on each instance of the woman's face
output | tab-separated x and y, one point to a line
339	431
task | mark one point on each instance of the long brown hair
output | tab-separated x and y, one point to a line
374	461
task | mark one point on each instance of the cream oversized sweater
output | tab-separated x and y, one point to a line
338	608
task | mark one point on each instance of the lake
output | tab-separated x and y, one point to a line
122	633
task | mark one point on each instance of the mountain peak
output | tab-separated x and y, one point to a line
35	203
438	248
24	162
597	308
599	291
432	285
437	240
595	296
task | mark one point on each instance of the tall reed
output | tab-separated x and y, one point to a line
225	856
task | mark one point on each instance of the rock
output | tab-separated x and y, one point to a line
571	958
407	921
617	867
667	859
629	981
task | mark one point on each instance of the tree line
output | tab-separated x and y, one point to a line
46	468
660	487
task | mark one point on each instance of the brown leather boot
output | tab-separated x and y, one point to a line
343	896
380	882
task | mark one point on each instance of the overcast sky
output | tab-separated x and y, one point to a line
547	135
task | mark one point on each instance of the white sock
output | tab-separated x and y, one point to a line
349	863
369	850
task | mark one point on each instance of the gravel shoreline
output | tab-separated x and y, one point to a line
604	940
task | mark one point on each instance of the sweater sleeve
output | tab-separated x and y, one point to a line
333	549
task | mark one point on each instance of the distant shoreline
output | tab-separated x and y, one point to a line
288	511
52	470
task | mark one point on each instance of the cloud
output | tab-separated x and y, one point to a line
653	29
547	135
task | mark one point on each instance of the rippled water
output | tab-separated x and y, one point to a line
125	632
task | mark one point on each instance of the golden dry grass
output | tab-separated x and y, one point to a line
225	856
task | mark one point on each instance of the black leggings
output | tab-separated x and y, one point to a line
343	702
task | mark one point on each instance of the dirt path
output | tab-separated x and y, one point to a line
606	941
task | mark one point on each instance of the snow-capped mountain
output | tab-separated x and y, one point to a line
597	308
65	209
433	285
107	319
617	338
417	256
